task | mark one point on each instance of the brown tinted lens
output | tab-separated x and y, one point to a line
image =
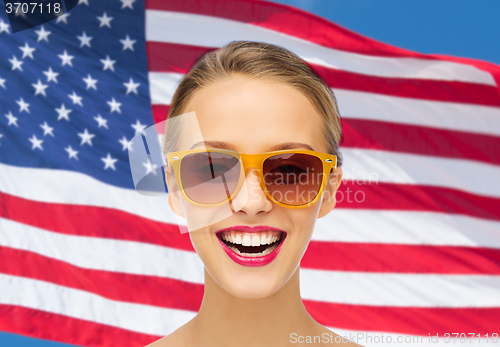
293	178
209	177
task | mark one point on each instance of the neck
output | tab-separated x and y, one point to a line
252	322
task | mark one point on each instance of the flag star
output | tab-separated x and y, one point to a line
66	58
23	106
138	127
108	63
86	2
40	88
51	75
125	143
86	137
4	27
2	82
127	3
150	167
101	121
75	98
42	34
128	43
63	18
115	106
91	83
63	113
36	143
105	20
16	64
20	14
47	129
109	162
12	119
131	86
72	153
84	40
27	50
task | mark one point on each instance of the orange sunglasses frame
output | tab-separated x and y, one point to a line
174	159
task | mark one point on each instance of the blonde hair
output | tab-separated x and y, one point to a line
258	60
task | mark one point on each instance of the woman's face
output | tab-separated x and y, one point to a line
255	116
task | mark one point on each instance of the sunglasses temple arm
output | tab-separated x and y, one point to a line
227	192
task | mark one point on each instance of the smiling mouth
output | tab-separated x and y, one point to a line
255	244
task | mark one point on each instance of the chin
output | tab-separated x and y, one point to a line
251	286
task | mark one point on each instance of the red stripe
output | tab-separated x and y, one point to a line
188	296
178	58
392	258
86	220
406	320
305	25
56	327
139	289
370	134
410	197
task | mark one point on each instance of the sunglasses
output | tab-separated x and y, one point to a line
290	178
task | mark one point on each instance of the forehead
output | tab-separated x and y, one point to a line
253	116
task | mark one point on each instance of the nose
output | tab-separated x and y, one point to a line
252	200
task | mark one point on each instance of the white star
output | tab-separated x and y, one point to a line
101	121
108	63
43	35
109	162
128	43
127	3
51	75
23	106
75	98
46	129
12	119
115	106
72	153
90	82
105	20
150	167
131	86
40	88
2	82
20	13
27	50
63	18
84	40
86	137
4	27
139	128
66	58
16	64
125	143
86	2
63	113
36	143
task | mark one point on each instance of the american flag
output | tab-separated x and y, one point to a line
412	248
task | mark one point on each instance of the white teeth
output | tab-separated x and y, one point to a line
237	239
247	241
255	240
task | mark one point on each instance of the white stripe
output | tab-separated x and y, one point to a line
420	290
208	31
360	105
70	187
374	166
410	290
407	227
44	296
377	339
104	254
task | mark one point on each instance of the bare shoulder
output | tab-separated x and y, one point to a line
178	338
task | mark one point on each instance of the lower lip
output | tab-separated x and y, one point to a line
251	261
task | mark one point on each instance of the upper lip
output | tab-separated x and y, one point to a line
248	229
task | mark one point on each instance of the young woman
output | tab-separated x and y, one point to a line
270	129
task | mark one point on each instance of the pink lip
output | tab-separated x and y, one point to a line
251	261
